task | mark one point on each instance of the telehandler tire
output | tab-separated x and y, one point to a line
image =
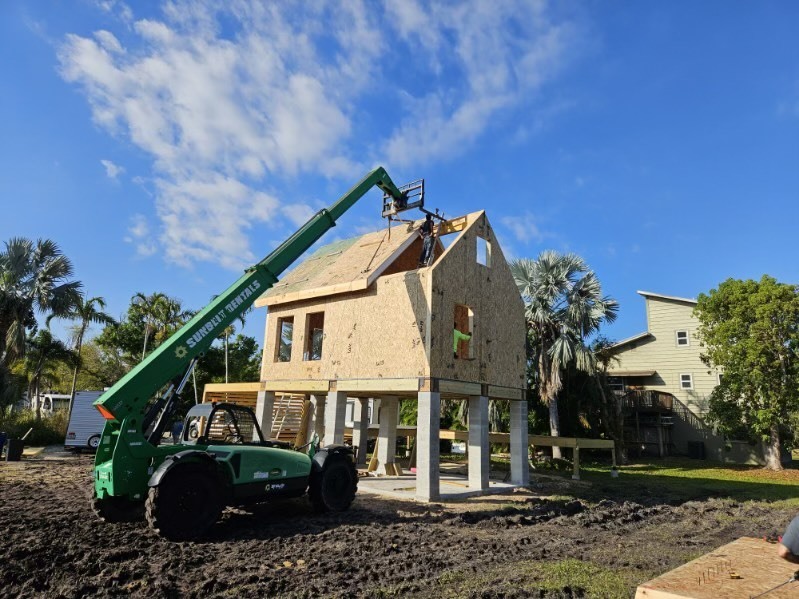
186	504
332	489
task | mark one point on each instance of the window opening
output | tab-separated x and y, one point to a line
314	335
483	251
285	338
463	345
616	384
686	381
682	338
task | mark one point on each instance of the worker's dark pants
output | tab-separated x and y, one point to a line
427	250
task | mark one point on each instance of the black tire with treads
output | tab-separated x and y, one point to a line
186	504
333	488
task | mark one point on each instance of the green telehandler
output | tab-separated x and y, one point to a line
222	458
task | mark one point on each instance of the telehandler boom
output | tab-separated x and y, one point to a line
229	460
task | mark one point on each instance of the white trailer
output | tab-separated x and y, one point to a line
86	423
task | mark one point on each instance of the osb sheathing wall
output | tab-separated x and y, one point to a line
498	331
382	332
377	333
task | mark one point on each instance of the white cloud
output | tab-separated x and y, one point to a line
112	170
230	100
524	228
139	235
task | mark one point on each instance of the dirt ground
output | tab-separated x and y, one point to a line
559	540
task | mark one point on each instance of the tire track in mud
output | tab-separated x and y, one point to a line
55	547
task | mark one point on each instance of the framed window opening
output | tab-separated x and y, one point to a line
285	339
686	381
682	338
483	252
464	324
616	384
314	335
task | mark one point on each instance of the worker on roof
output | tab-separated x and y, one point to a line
426	231
458	336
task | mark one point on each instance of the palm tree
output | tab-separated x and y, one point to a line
230	330
563	307
169	317
33	277
86	312
149	305
43	352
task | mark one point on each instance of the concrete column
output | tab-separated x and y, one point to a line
519	466
387	436
360	429
316	422
264	406
335	413
478	443
428	424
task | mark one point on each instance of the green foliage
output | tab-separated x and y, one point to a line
150	320
33	277
564	306
43	354
99	369
51	430
750	330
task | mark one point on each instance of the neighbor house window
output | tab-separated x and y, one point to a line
616	384
285	336
464	324
314	335
682	338
686	381
483	251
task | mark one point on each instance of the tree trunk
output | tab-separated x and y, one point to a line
78	346
554	424
773	449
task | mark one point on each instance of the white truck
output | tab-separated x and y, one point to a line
86	424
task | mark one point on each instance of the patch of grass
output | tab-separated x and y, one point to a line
681	479
536	578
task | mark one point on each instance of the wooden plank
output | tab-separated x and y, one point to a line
297	386
708	577
497	392
232	387
459	387
378	385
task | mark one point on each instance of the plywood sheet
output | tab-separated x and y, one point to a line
341	267
498	341
708	577
378	333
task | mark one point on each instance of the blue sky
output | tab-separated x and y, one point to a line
165	146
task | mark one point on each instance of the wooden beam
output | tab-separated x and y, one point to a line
497	392
459	387
297	386
378	385
231	387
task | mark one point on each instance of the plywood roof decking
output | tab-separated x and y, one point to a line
343	266
708	577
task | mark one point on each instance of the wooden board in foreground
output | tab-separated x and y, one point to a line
709	576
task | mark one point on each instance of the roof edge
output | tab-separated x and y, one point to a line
673	298
631	339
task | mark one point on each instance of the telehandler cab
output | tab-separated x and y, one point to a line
227	461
